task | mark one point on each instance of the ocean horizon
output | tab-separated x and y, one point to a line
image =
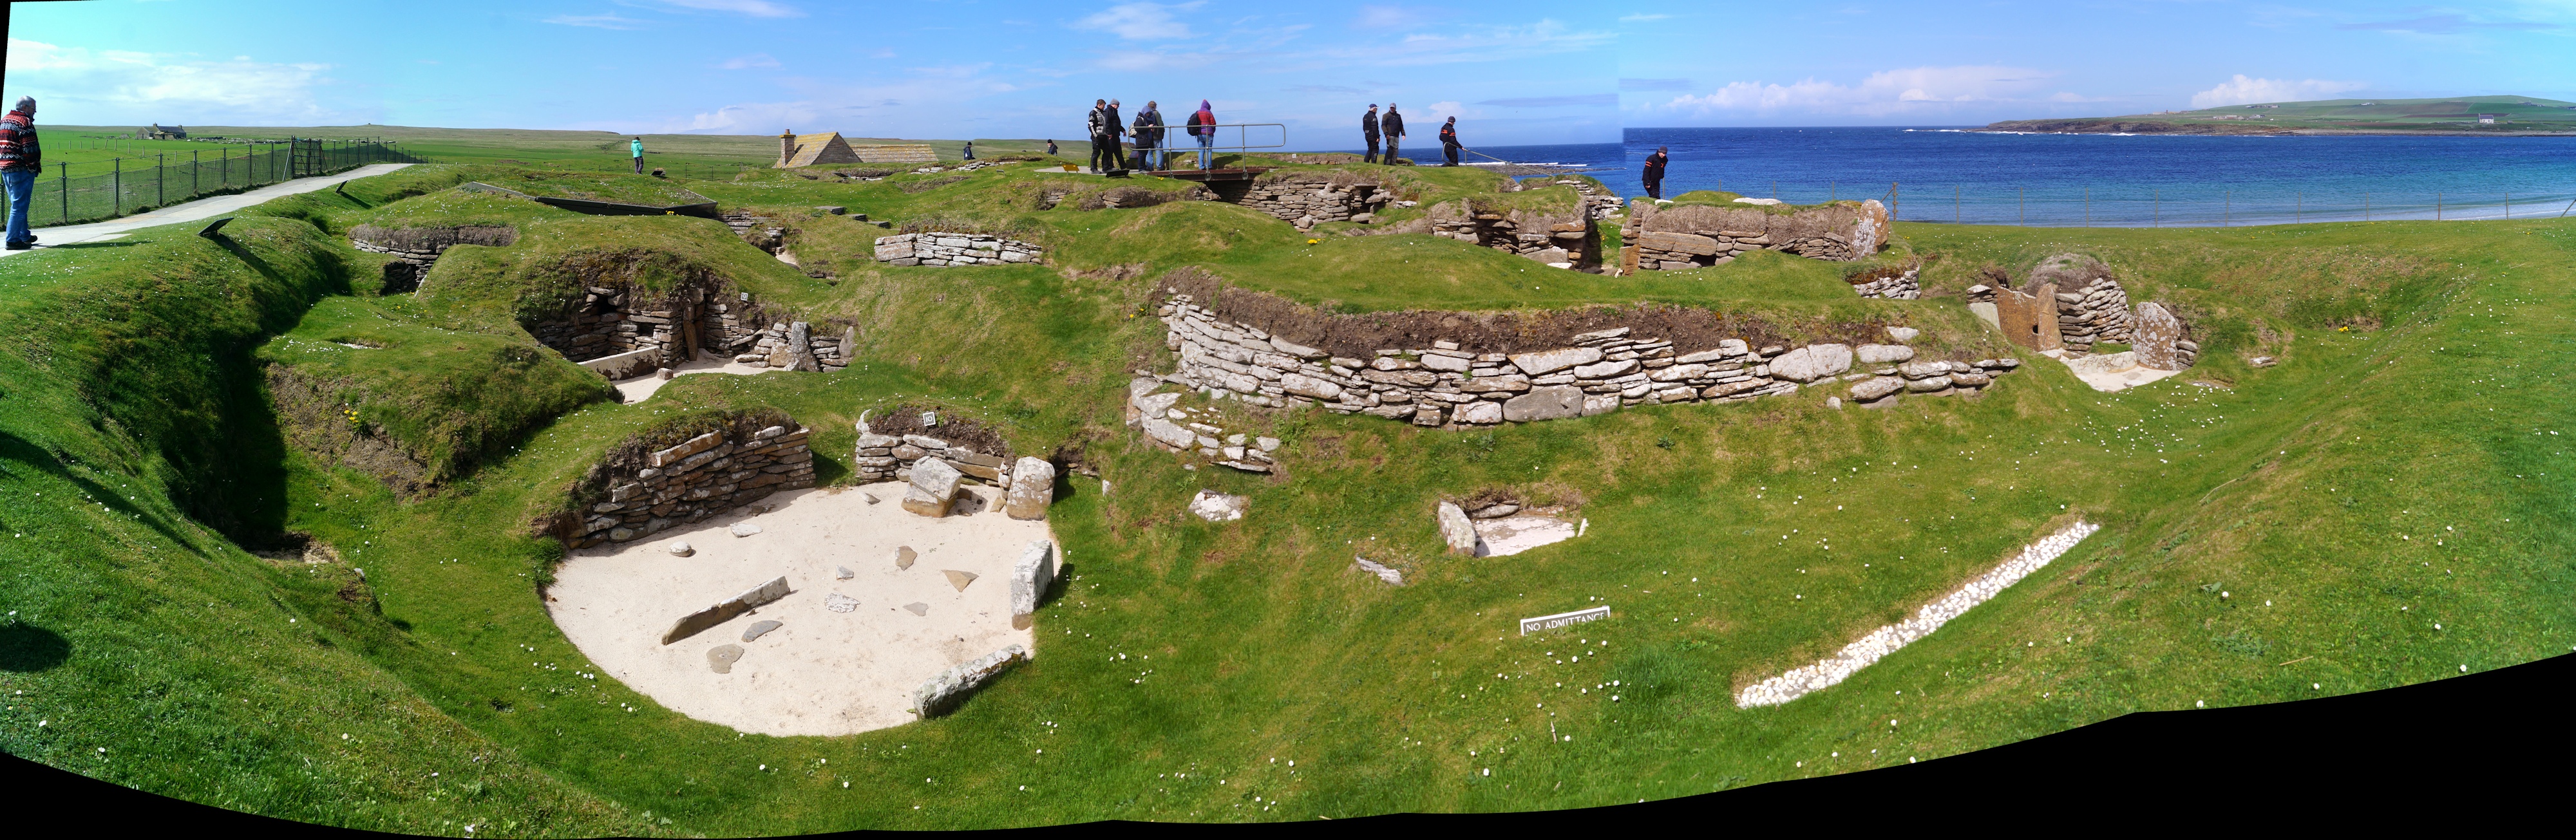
1951	174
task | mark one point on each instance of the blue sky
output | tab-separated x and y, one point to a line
1829	63
1513	72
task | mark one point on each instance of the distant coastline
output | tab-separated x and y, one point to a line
2131	125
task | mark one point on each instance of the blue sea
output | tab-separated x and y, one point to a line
1582	154
1944	174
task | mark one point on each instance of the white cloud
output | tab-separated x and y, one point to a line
1886	92
1140	21
749	61
595	21
754	8
1389	17
115	86
1641	18
2249	91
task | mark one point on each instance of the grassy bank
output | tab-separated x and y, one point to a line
2274	534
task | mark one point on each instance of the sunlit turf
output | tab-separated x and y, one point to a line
2275	529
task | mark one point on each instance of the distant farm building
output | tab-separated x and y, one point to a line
166	132
2488	119
795	150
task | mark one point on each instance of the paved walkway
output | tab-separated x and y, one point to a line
204	208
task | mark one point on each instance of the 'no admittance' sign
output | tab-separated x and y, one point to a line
1551	622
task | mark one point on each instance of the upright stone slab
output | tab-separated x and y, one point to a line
2154	332
934	485
1032	489
1456	530
723	611
1029	580
2029	320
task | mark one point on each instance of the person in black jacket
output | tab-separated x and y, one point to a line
1393	125
1655	172
1103	136
1449	141
1368	129
1117	149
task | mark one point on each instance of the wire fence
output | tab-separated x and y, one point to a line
2158	207
101	190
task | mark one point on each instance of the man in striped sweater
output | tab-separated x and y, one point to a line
20	160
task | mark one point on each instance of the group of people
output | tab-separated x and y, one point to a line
1391	128
1110	135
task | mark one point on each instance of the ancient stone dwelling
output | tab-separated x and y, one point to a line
2071	303
1676	237
609	330
658	480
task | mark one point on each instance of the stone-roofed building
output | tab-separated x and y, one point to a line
795	150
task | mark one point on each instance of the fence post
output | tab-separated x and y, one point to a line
160	181
2156	211
2088	206
2299	211
2508	207
67	191
1955	214
2228	209
116	190
196	175
2021	204
1895	199
2437	207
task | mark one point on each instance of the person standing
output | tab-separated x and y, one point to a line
1368	130
1050	147
1203	127
970	150
1393	124
1101	140
1449	141
1117	137
20	159
636	148
1655	172
1149	134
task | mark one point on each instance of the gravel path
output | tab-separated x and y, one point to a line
1886	640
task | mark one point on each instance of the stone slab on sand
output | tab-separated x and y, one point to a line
821	672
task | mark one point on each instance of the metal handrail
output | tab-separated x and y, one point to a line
1187	143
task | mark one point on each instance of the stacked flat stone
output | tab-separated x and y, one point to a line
1905	286
939	248
791	345
1935	378
2098	312
1660	249
891	458
1180	430
1558	243
607	321
1444	386
1305	203
696	478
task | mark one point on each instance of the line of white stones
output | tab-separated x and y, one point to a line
1886	640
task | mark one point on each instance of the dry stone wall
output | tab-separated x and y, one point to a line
415	249
2094	313
1562	240
1445	386
669	482
1680	237
1906	286
890	457
1306	200
943	248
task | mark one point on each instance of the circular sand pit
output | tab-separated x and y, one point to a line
846	653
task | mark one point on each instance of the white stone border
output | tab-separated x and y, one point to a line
1886	640
1551	622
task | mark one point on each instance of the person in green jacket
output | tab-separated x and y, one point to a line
637	146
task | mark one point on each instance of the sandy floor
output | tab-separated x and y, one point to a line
1515	534
636	389
821	672
2111	371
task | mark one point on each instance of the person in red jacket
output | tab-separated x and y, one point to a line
20	159
1203	126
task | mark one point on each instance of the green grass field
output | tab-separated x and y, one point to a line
2278	528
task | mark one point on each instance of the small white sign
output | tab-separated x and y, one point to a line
1551	622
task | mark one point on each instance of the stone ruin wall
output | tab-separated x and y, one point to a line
1675	238
947	248
609	330
651	484
2043	318
1307	200
414	250
1446	386
883	457
1563	240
